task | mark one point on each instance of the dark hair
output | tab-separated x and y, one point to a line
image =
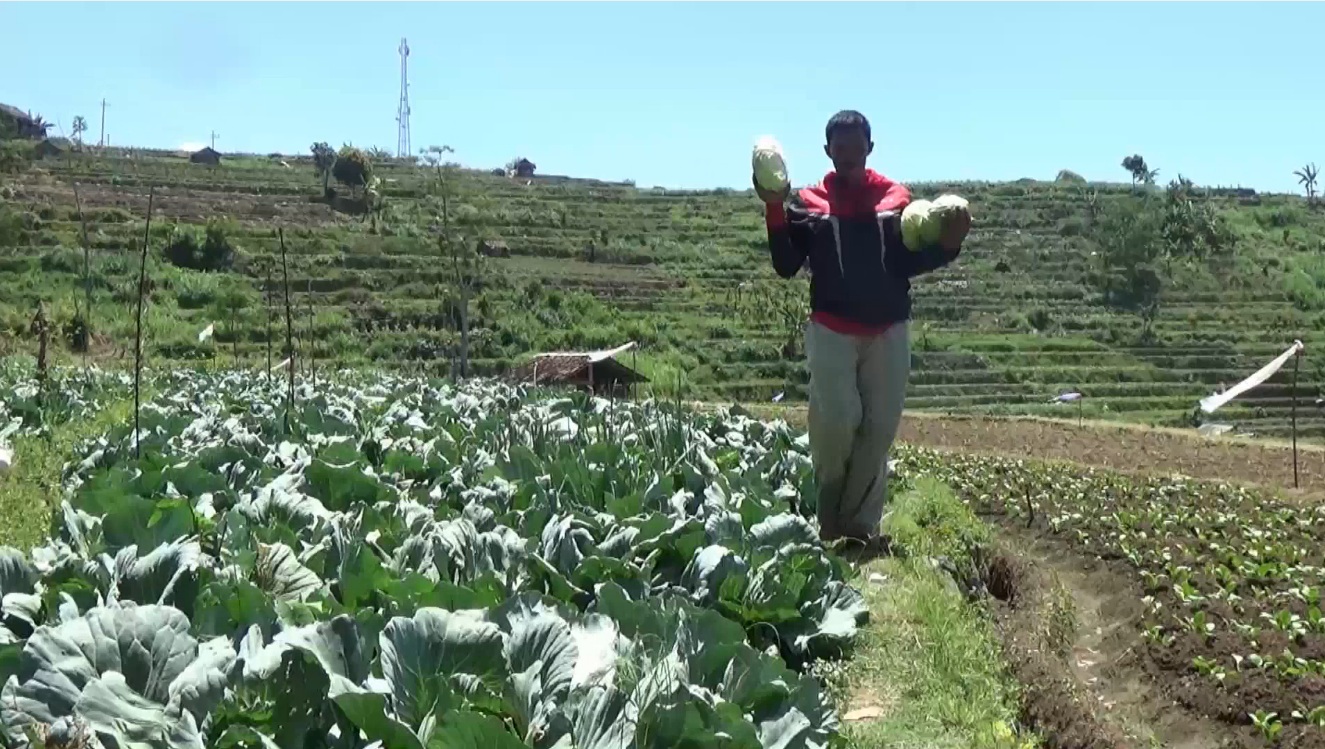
845	120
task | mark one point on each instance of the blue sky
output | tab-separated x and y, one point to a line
674	94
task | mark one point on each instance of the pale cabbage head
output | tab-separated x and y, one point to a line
770	167
922	220
920	229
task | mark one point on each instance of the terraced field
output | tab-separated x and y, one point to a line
1016	321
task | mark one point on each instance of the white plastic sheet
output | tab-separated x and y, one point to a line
1212	403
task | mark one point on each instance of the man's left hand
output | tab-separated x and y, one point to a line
955	228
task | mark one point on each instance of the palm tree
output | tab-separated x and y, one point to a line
40	126
79	127
1307	177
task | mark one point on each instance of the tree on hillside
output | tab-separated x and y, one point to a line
466	266
232	305
353	168
1140	239
1306	176
1136	166
79	127
324	158
1129	236
1193	231
1069	177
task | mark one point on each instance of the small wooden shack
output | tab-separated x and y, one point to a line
598	372
51	147
525	168
208	156
494	248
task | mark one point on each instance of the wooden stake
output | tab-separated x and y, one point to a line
87	278
312	356
138	328
1297	358
267	289
289	329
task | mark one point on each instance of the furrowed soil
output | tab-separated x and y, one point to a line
1125	448
1108	658
1090	679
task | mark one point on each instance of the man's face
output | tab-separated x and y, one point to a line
848	149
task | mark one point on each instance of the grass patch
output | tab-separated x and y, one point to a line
31	489
927	672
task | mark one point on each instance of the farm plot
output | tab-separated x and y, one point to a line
29	407
1231	580
400	563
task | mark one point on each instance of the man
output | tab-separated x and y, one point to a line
847	229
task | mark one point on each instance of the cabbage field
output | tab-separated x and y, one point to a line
399	563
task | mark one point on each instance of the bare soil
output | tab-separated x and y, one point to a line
1126	448
1108	658
185	204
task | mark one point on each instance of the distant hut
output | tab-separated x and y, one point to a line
23	123
597	372
52	147
525	168
494	248
208	156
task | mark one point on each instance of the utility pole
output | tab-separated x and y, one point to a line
214	137
102	139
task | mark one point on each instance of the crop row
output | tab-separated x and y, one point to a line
1231	578
395	562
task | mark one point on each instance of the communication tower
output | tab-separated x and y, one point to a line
402	113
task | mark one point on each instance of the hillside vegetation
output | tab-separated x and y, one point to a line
579	264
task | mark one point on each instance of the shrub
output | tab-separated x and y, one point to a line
15	156
210	252
353	168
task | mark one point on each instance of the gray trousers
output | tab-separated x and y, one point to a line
857	390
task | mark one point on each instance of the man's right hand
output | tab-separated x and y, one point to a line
771	197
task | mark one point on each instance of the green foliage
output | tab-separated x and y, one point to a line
1193	229
15	156
666	266
1141	236
1140	171
1129	235
1307	176
353	167
212	251
1069	177
604	607
324	158
13	231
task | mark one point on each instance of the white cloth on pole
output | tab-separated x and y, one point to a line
1211	403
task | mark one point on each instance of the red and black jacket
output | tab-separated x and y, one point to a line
860	272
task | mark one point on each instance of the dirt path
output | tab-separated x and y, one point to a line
1121	447
1105	650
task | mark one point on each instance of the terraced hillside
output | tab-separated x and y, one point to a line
1017	320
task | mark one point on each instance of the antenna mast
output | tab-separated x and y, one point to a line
402	114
